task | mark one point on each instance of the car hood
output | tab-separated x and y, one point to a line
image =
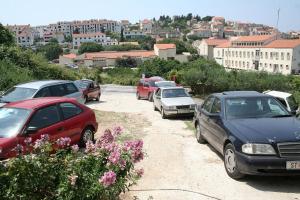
266	130
178	101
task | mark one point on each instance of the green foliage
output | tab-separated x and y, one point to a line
146	43
51	51
123	47
68	38
6	37
207	18
180	46
90	47
121	76
194	37
126	62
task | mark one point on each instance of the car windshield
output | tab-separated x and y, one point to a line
165	84
173	93
17	94
82	84
12	121
254	107
292	102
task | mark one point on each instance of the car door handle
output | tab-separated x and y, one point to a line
60	129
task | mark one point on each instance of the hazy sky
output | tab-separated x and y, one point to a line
39	12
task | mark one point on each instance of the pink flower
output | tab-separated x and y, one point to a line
28	141
18	149
117	130
38	144
139	172
107	137
75	148
89	147
136	149
114	157
45	137
122	164
108	179
63	142
73	179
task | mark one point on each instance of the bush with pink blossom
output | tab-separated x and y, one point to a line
48	169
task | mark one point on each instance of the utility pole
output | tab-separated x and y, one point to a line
277	23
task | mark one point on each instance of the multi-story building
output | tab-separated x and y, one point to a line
93	26
146	26
24	34
260	53
64	27
206	47
134	34
98	37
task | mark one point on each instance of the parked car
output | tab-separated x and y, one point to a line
146	87
286	99
35	89
173	101
57	117
253	131
90	89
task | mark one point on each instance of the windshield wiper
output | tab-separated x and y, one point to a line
279	116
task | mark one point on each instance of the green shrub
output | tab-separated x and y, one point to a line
101	171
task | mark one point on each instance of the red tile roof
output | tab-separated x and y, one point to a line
71	55
165	46
119	54
254	38
284	44
215	42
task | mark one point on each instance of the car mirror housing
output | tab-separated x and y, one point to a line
215	115
31	130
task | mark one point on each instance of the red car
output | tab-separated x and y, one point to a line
56	117
90	89
146	87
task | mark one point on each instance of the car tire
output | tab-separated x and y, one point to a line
150	97
230	163
98	97
85	99
163	114
138	96
199	136
86	135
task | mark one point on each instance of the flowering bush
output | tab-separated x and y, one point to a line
101	171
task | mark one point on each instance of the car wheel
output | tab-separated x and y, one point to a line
87	135
98	97
138	96
85	99
199	135
150	97
163	114
230	162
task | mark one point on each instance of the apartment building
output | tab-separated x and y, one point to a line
97	37
94	26
135	34
146	25
260	53
205	48
24	34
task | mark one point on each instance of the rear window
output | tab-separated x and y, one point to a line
58	90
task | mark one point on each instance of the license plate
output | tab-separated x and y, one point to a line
183	111
293	165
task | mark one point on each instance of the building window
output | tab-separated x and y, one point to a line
271	55
266	66
252	54
240	54
281	66
266	55
288	56
248	54
282	56
244	54
287	67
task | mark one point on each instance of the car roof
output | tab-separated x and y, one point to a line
231	94
38	102
165	81
171	88
278	94
40	84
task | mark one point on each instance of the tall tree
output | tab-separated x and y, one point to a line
6	37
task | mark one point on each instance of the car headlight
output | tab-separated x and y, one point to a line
258	149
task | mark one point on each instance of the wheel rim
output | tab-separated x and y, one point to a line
88	135
198	131
230	161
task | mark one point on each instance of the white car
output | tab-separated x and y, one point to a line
286	99
173	101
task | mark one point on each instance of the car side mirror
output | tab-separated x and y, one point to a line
215	115
293	112
31	130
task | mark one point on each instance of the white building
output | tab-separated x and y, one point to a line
133	34
24	34
260	53
98	37
146	26
205	48
93	26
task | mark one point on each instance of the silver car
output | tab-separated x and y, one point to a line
173	101
36	89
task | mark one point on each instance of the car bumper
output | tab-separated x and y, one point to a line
179	112
264	165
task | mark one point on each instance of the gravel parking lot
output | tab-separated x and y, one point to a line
177	167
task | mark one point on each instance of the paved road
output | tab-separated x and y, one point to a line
177	167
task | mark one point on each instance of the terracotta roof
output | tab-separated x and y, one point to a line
119	54
165	46
224	45
87	34
71	56
215	42
218	18
284	44
146	21
254	38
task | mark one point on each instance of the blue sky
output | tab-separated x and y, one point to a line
38	12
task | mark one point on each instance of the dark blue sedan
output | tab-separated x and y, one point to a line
253	131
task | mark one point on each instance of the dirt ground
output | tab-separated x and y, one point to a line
176	166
